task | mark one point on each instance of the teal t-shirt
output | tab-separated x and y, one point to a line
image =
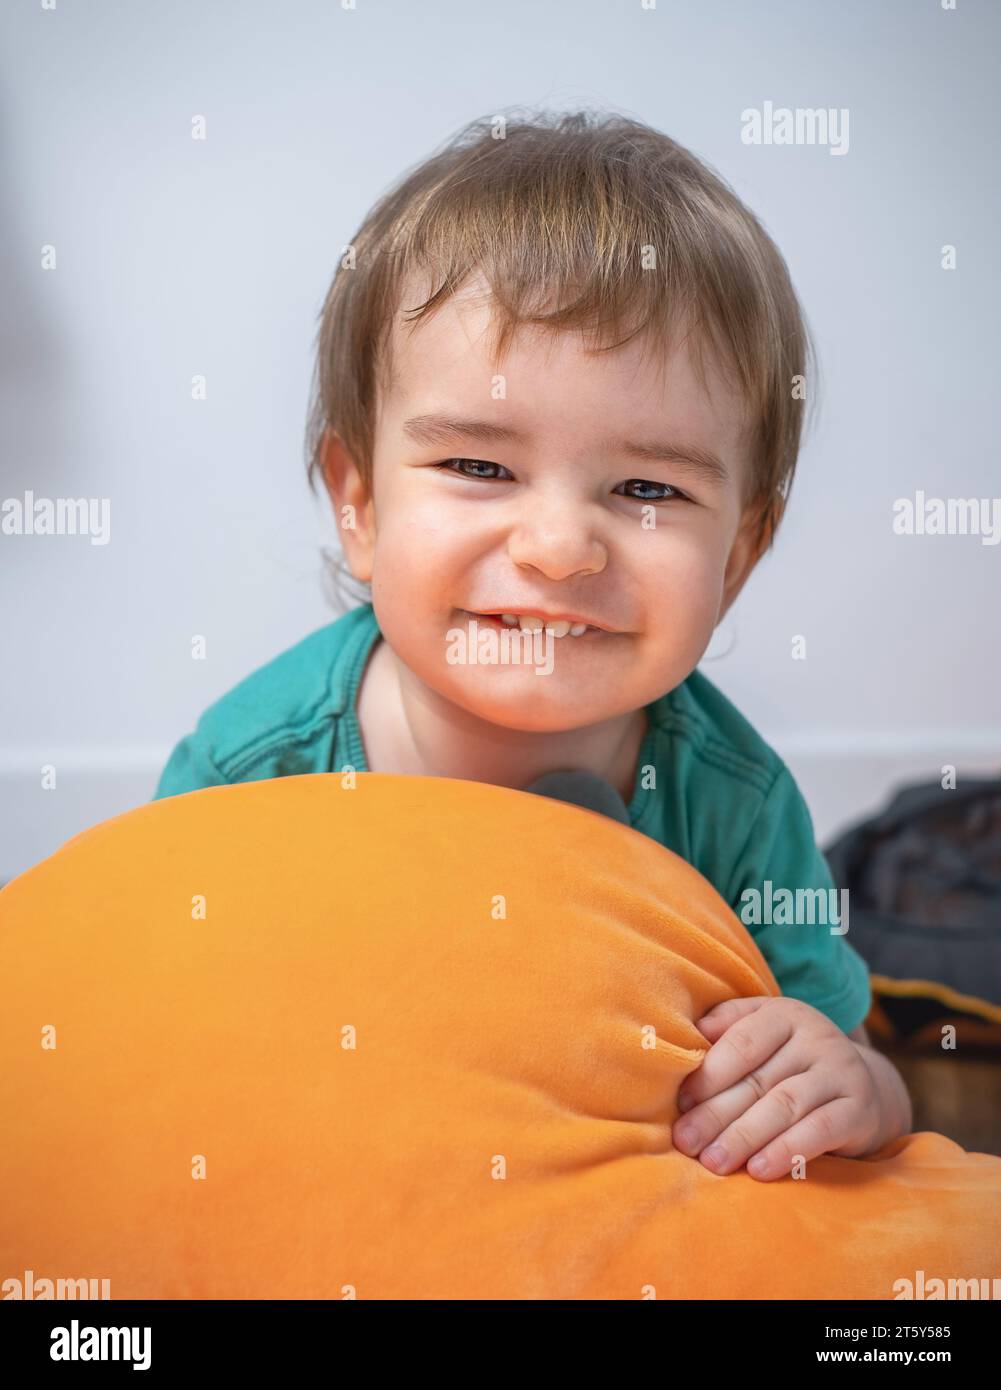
708	787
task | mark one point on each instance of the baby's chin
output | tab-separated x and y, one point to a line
524	702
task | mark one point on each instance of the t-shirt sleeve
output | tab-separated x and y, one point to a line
189	768
794	933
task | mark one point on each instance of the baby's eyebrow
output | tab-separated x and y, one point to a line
699	461
443	429
435	429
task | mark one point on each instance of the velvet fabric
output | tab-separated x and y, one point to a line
396	1037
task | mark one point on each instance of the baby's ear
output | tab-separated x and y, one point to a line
748	546
336	464
351	500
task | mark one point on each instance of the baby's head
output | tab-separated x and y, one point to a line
560	371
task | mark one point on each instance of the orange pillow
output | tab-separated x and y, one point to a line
406	1037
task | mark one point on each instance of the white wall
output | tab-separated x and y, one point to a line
177	257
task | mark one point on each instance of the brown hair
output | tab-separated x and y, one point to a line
610	223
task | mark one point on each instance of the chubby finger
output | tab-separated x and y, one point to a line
766	1126
762	1127
717	1019
746	1044
826	1127
699	1125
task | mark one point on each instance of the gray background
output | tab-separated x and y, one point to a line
178	257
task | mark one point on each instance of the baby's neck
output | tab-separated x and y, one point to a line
406	728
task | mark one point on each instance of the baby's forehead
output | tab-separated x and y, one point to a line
446	362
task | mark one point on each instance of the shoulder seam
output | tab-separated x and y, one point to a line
212	762
328	705
722	755
249	755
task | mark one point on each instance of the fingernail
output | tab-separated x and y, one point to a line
685	1103
716	1155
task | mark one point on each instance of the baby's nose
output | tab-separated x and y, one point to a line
559	546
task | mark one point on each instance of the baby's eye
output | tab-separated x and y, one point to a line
446	464
642	483
479	467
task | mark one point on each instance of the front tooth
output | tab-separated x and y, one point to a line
509	619
559	627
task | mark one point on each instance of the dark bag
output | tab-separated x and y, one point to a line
924	911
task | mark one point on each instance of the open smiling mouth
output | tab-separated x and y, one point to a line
559	628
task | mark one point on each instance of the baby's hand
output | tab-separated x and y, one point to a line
779	1080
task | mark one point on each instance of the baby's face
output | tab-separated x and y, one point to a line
542	507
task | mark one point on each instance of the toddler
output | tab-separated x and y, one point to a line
611	344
